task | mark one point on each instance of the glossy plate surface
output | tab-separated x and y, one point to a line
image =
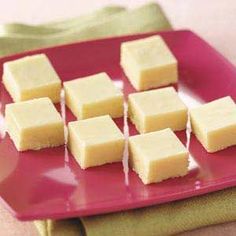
50	184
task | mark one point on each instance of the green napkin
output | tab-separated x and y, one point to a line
60	26
165	219
111	21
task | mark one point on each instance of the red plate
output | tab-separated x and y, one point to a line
49	184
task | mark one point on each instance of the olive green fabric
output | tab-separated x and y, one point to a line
111	21
165	219
60	26
71	227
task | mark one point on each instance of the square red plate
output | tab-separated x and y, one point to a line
50	184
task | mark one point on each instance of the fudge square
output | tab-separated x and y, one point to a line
34	124
214	124
94	95
148	63
157	156
95	141
31	77
157	109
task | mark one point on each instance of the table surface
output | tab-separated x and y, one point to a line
212	19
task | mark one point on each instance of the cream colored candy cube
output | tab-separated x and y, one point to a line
214	124
157	156
31	77
148	63
94	95
95	141
157	109
34	124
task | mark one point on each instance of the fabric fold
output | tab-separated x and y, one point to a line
144	19
165	219
59	26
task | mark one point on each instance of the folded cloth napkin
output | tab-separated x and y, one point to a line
111	21
59	26
165	219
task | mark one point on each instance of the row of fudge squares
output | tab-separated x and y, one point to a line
153	110
36	124
34	76
93	95
213	123
90	96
